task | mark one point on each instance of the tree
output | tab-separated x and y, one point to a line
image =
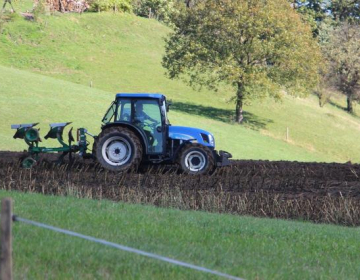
260	48
159	9
343	54
345	10
312	11
106	5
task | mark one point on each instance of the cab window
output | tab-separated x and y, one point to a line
147	116
109	114
124	110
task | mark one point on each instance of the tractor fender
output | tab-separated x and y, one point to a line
136	130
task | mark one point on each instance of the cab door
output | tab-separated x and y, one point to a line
147	116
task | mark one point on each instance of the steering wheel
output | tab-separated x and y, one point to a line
152	125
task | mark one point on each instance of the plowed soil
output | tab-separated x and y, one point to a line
320	192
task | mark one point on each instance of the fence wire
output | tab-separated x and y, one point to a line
127	249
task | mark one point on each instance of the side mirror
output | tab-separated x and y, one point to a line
168	104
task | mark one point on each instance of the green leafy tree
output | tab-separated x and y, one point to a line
343	54
106	5
343	10
312	11
260	48
189	3
339	10
317	8
159	9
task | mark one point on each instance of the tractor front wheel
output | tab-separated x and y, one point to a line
118	149
196	159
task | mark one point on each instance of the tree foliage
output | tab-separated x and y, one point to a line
106	5
261	48
159	9
345	10
343	54
312	11
339	10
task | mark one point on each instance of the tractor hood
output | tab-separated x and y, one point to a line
192	134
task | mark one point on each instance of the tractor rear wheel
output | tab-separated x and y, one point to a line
196	159
118	149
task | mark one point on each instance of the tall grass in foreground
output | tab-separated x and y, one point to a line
249	189
243	246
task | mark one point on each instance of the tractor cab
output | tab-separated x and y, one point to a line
146	114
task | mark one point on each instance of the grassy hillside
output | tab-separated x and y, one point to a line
26	97
246	247
122	53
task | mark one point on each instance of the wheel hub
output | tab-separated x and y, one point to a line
195	161
116	151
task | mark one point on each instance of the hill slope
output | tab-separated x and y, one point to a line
27	97
122	53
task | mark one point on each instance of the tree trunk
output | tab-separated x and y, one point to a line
349	104
239	103
62	9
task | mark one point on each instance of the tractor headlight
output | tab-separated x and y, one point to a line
211	140
208	138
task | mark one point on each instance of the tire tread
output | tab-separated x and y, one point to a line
211	160
136	159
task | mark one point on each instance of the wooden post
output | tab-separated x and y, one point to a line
287	134
6	242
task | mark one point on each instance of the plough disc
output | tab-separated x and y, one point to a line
32	135
28	162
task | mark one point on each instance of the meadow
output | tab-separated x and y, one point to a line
247	247
63	55
68	67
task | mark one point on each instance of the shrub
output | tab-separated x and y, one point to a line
106	5
158	9
324	95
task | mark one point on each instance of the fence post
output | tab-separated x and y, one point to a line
6	246
287	134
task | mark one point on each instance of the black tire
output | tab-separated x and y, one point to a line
93	152
118	149
196	159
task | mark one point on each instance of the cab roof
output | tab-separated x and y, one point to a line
140	95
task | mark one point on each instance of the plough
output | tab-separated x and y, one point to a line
31	135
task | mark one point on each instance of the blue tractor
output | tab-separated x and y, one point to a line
136	129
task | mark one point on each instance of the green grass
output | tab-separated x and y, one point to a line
45	72
26	97
247	247
122	53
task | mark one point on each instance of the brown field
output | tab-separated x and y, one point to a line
318	192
